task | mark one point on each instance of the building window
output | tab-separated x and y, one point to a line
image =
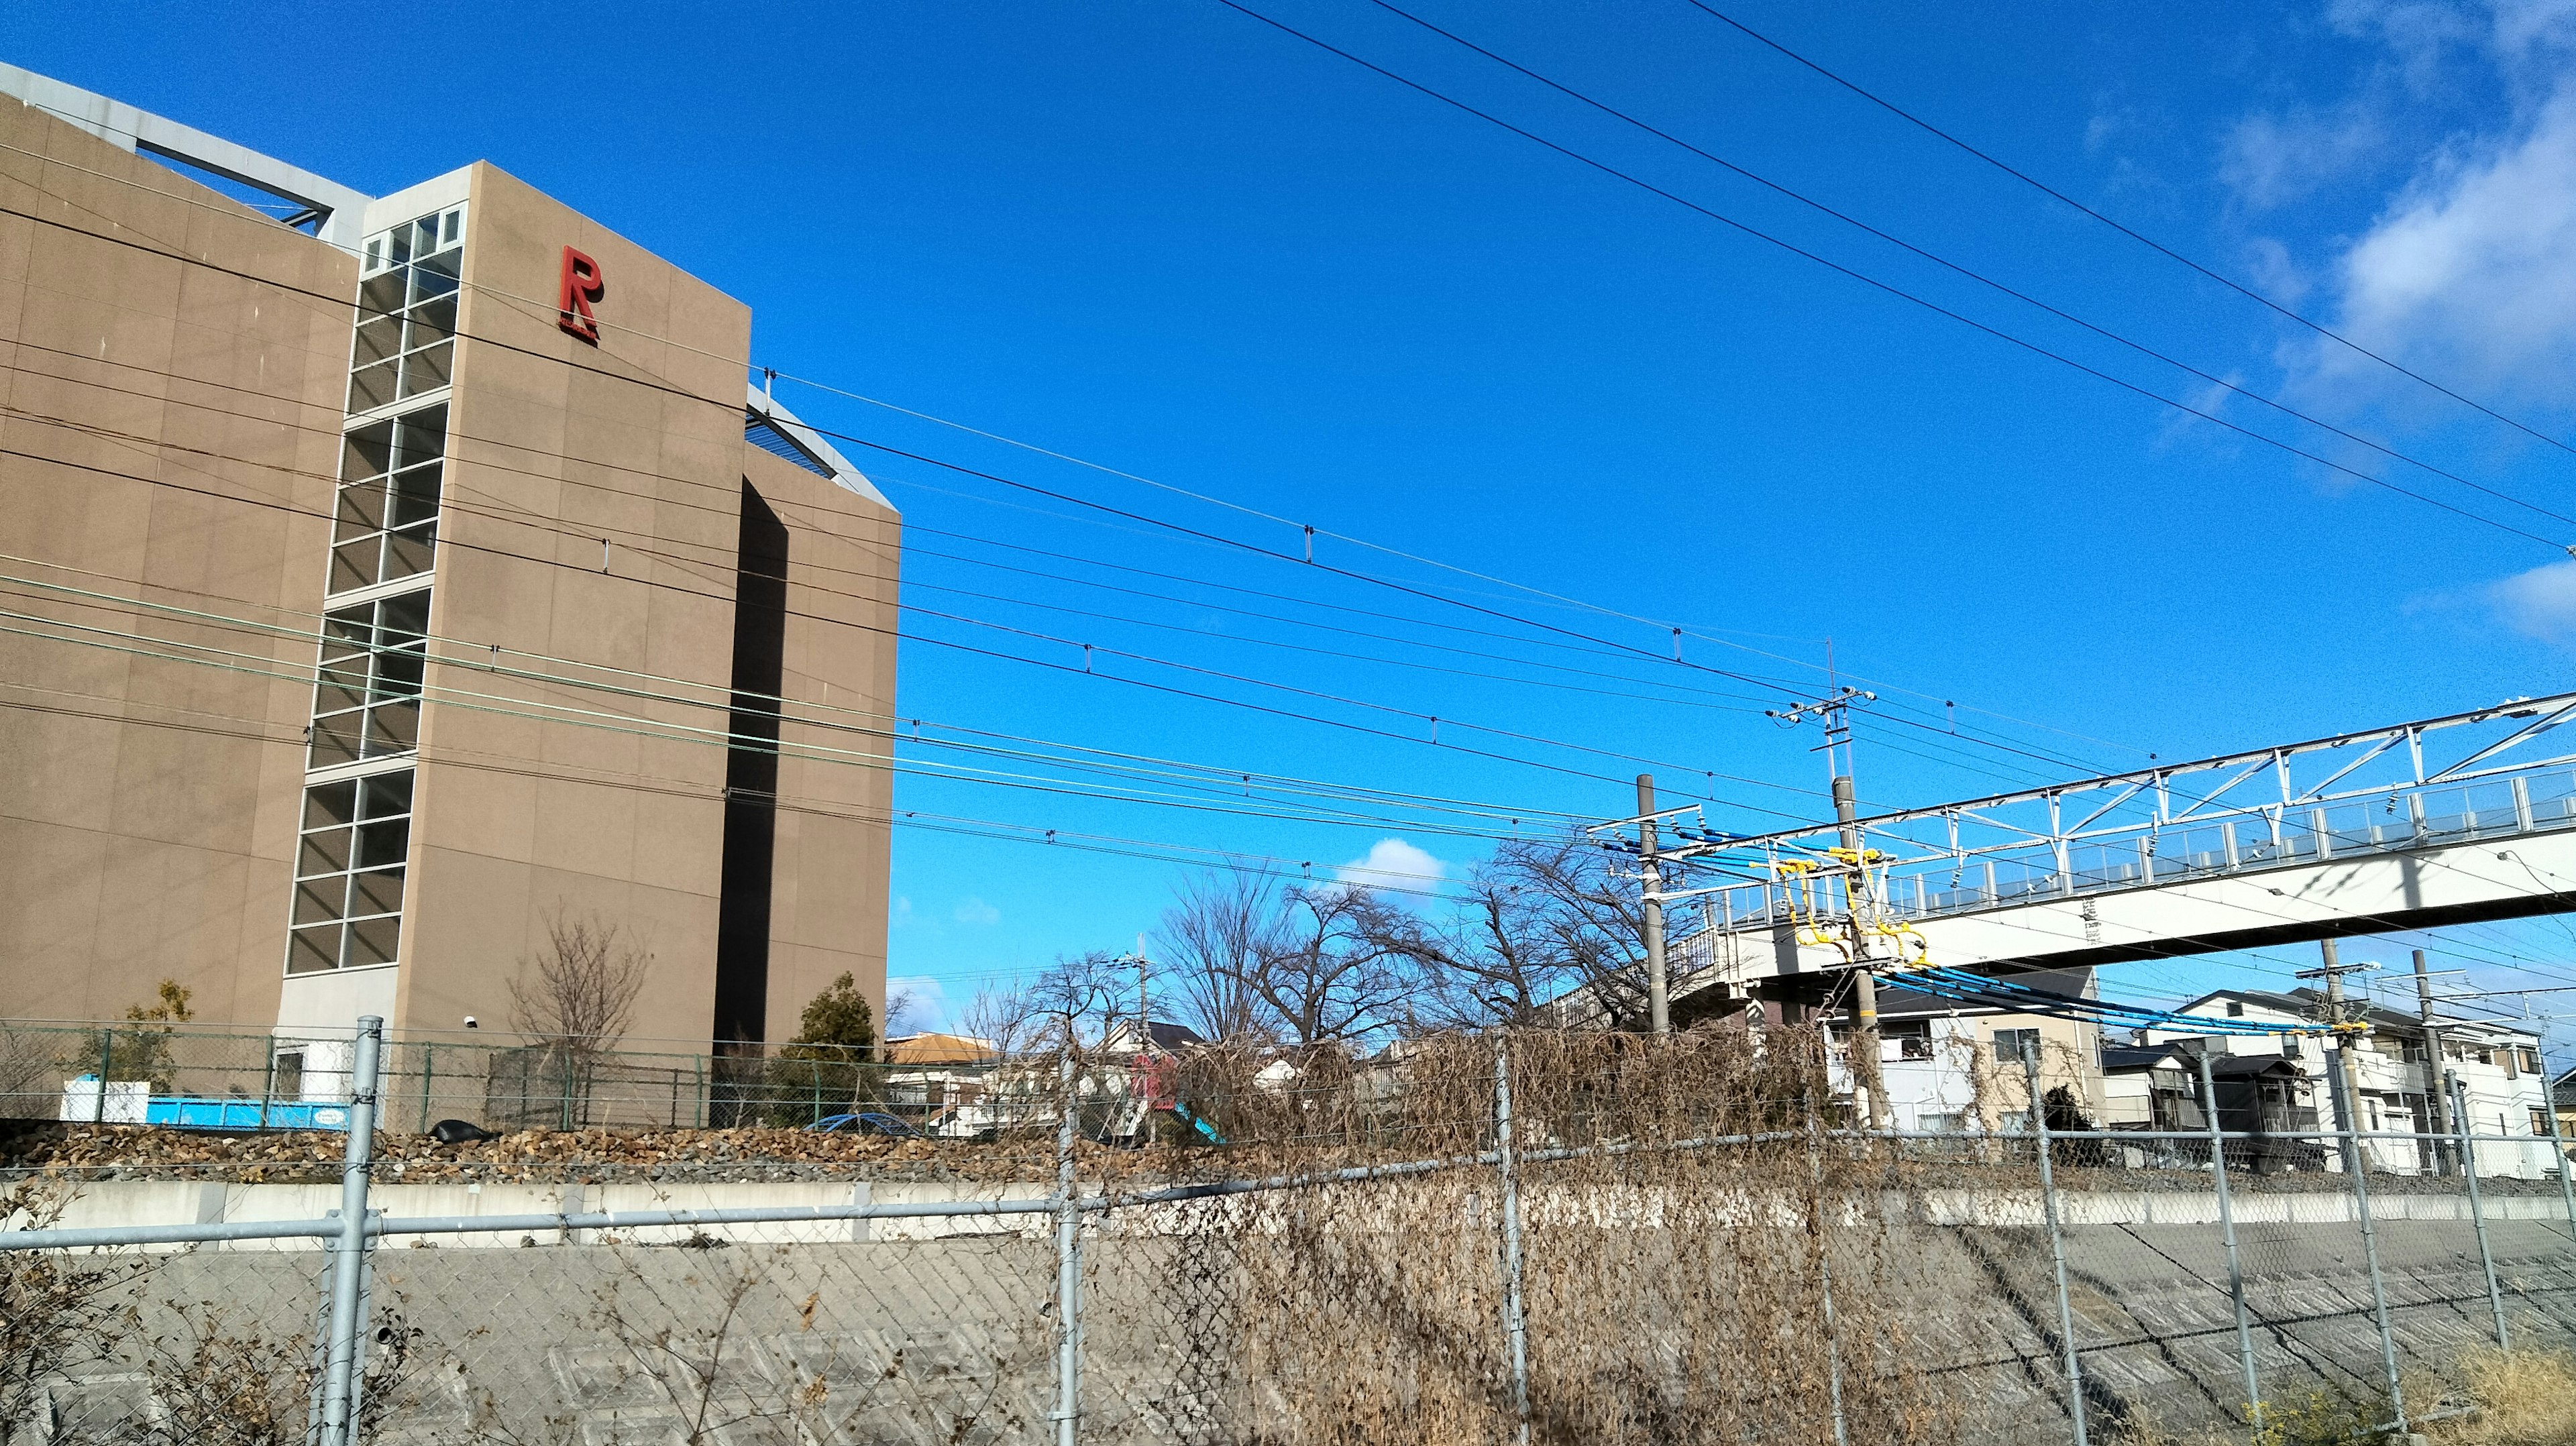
388	519
407	311
2010	1044
349	873
366	703
2530	1060
2236	1009
2290	1046
2540	1122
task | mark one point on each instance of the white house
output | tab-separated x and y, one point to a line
2498	1064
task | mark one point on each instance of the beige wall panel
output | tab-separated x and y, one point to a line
586	440
461	961
133	852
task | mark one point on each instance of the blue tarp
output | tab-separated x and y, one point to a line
192	1112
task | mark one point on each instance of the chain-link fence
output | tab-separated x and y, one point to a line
152	1072
1541	1237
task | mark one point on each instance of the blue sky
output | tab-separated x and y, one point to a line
1173	241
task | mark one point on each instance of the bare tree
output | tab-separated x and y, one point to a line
1215	940
1505	958
1003	1016
902	1012
1548	934
1341	968
578	993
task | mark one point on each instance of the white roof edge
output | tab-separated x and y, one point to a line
127	128
843	474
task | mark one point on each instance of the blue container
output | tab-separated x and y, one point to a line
197	1112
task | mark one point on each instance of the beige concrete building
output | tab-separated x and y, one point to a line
387	578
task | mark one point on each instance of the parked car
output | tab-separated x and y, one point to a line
865	1122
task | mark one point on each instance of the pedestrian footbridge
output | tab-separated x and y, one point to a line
2447	820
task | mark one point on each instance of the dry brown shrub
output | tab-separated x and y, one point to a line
1683	1209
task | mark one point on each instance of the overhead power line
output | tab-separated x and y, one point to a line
2150	243
652	382
1890	289
1979	277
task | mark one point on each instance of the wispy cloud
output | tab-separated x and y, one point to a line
928	1007
2540	603
976	912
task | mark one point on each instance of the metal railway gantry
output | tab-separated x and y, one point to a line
2447	820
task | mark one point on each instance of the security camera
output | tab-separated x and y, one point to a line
470	1024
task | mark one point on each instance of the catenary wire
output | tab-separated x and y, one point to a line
2153	245
1979	277
657	384
1889	289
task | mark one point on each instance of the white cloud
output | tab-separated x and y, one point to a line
1394	864
929	1008
2272	160
901	914
2470	274
2540	603
977	912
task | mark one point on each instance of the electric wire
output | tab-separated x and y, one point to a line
656	383
1979	277
1889	289
2156	246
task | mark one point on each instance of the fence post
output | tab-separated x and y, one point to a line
349	1261
1824	1268
428	1062
2347	1124
1068	1258
2227	1233
2056	1240
2477	1201
1515	1313
2558	1152
106	1062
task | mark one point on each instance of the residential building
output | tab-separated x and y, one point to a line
2498	1066
1950	1065
399	575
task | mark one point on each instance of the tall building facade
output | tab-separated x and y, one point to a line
392	578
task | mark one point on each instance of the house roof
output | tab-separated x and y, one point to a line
1165	1034
2308	1002
2128	1059
928	1048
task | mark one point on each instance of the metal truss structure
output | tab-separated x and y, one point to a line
2405	826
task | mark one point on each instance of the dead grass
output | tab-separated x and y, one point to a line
2528	1398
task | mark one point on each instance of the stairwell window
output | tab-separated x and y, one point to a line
407	311
349	867
387	521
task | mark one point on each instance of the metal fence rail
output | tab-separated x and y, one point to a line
2115	1235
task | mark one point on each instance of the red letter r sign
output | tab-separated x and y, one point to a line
581	287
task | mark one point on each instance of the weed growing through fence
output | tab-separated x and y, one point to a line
1677	1201
58	1312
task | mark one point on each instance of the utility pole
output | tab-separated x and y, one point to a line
1659	1013
2434	1062
1144	1020
1835	710
2349	1096
1864	1045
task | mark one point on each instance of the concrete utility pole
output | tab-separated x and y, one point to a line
1864	1044
1144	1020
2433	1064
2333	972
1659	1013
